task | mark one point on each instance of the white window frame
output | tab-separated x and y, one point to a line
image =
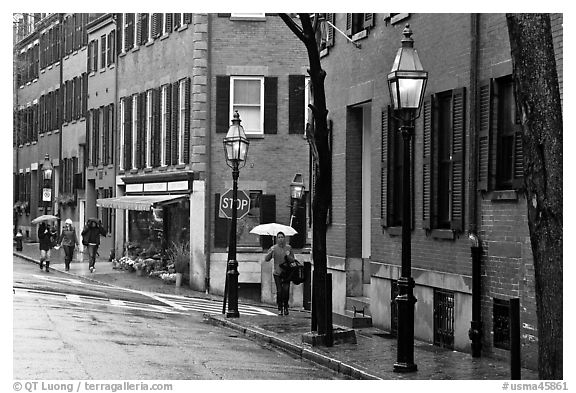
256	16
181	120
164	24
149	32
231	114
122	141
149	129
307	100
163	124
134	128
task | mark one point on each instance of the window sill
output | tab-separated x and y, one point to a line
91	74
442	234
43	70
360	35
399	17
180	166
164	36
163	168
248	18
324	52
50	67
148	169
150	42
122	54
502	195
102	70
112	66
182	28
255	136
135	49
133	171
34	142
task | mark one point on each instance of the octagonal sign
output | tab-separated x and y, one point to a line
242	204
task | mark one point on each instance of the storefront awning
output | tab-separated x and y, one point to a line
139	202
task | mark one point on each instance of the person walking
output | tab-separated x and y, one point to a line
45	238
91	237
281	252
19	237
69	241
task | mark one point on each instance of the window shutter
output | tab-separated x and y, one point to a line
177	21
330	38
95	136
270	105
186	130
484	137
90	46
139	28
518	160
168	139
299	223
187	18
296	97
427	167
108	49
368	21
112	47
168	23
119	32
84	93
157	25
105	136
175	118
129	32
156	116
144	23
385	197
457	167
267	215
222	103
141	130
220	225
111	115
128	132
349	25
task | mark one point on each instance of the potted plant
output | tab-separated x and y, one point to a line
67	199
179	255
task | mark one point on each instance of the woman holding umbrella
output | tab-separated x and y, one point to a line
45	237
280	252
91	237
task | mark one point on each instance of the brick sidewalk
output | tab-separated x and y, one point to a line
372	357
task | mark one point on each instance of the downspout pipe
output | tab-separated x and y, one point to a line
475	332
60	120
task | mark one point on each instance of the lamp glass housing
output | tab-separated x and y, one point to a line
236	144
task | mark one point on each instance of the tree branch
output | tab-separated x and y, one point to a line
293	26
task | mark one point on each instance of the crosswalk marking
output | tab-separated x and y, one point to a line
210	306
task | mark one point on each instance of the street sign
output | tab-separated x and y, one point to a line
46	194
242	204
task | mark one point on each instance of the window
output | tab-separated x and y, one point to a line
357	23
443	160
149	129
327	34
103	52
134	129
181	121
122	133
500	161
395	18
247	97
163	124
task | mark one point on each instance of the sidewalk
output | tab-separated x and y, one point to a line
372	357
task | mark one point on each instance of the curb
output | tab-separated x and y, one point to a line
295	349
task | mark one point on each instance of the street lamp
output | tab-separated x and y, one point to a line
296	192
47	169
407	83
236	149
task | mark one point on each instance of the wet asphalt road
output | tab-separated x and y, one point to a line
72	329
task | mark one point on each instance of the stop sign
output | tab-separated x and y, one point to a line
242	204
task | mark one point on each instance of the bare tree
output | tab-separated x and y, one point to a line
538	100
308	31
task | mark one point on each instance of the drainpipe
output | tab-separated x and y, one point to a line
208	202
475	332
115	137
61	104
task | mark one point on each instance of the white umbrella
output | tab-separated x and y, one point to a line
272	229
44	217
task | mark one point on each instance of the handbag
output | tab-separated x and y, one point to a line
297	275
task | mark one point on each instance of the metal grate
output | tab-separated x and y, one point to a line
444	318
501	323
393	308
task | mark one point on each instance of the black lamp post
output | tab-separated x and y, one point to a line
47	169
407	83
296	192
236	149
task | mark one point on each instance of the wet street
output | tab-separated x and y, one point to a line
70	328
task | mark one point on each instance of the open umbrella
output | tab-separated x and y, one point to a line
44	217
272	229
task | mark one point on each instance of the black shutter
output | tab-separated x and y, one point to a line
90	49
299	224
129	32
120	31
330	29
112	47
457	167
175	119
518	159
111	115
168	137
267	215
139	29
144	21
156	116
128	133
84	93
427	166
222	103
220	225
108	49
168	23
349	25
177	20
296	97
368	21
187	18
140	130
186	138
270	105
105	124
484	137
89	131
385	197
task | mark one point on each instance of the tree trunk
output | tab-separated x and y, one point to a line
538	99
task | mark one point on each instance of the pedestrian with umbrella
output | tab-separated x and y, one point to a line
69	241
45	235
91	238
281	252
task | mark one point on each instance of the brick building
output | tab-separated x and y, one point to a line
466	176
